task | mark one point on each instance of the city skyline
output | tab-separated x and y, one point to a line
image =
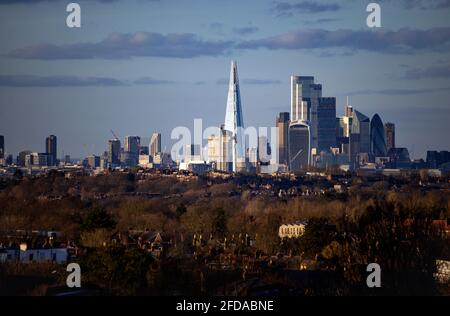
81	96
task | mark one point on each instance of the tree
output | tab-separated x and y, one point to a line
98	218
220	223
118	270
318	234
181	209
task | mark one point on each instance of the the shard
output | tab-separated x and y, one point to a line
234	121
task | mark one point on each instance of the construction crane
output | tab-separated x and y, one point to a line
114	135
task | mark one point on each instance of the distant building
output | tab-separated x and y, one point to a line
199	167
282	124
9	160
437	158
21	157
234	121
399	158
132	144
114	152
389	129
326	124
359	137
146	161
264	151
93	161
37	159
377	137
193	152
214	149
51	149
143	150
162	160
299	146
155	144
305	96
226	147
292	230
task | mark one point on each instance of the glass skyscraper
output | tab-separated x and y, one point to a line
283	130
234	121
326	124
377	137
51	149
299	146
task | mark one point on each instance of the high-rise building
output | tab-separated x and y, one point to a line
377	137
51	149
264	151
225	162
283	131
192	153
214	149
132	144
2	146
326	124
234	121
299	146
359	137
93	161
114	151
155	144
303	89
37	159
389	129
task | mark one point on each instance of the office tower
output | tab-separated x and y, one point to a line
234	121
282	130
252	159
214	149
93	161
326	124
51	149
226	146
21	157
359	140
437	158
132	144
114	151
192	153
9	160
299	146
155	144
389	129
264	151
2	146
303	89
377	137
37	159
143	150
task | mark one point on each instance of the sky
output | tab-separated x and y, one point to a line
143	66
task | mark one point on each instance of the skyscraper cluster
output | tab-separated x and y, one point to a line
310	135
134	153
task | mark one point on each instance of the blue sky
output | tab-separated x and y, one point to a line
140	66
